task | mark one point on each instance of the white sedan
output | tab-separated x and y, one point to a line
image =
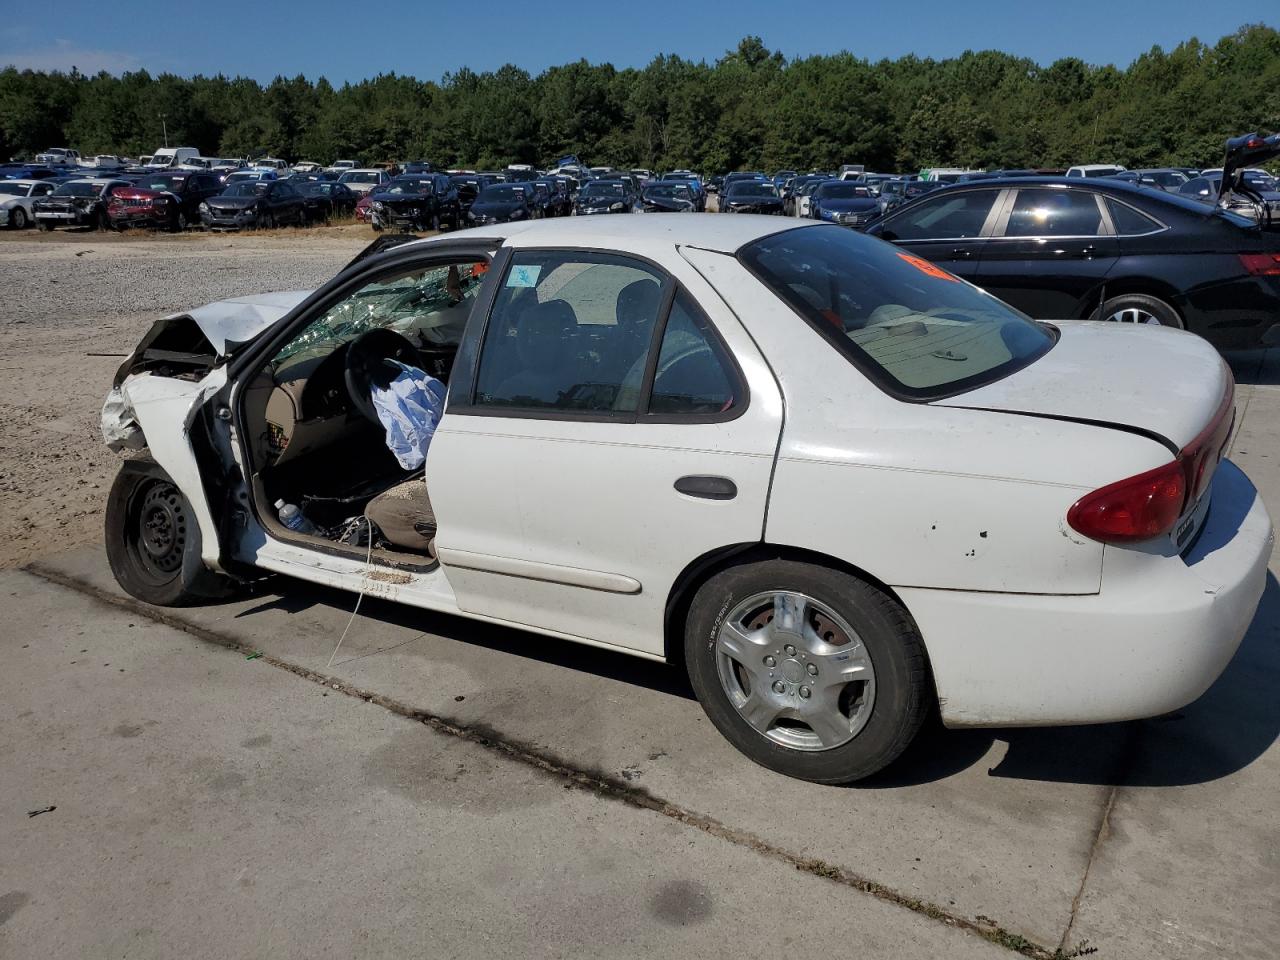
16	199
839	486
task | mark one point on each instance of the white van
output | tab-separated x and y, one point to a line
1095	170
173	156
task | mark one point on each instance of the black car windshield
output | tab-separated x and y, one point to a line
14	189
320	187
668	191
408	186
501	193
78	189
752	188
841	191
245	189
604	188
909	325
166	183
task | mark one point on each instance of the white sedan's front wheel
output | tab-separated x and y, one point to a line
807	670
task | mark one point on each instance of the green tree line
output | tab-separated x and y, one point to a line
752	108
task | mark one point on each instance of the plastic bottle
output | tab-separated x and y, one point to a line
293	518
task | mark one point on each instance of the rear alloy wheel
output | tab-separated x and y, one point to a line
153	540
807	670
18	218
180	222
1140	308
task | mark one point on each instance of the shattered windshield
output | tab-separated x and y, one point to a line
428	305
79	188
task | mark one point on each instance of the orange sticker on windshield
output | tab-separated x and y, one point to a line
924	266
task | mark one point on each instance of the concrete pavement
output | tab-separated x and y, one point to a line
1151	839
213	806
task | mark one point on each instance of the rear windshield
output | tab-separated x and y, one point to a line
909	325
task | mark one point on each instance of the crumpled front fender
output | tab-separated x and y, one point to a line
157	413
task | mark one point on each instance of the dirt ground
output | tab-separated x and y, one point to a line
75	304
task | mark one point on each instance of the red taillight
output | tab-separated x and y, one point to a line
1261	264
1149	504
1138	508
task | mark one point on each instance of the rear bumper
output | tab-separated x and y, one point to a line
1154	638
1239	313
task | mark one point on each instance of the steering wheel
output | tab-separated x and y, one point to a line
366	366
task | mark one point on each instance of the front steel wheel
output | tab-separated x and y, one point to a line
153	540
808	670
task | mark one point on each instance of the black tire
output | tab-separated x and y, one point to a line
44	227
1129	307
179	223
903	690
102	221
18	218
153	540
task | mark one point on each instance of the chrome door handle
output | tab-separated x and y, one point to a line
963	253
707	488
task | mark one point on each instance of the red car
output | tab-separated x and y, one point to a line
164	201
363	211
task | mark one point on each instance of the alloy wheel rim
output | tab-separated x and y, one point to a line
795	671
1134	315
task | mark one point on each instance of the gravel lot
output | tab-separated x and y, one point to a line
74	303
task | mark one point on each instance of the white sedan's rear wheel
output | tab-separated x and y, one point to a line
808	671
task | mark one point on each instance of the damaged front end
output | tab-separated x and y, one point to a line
186	348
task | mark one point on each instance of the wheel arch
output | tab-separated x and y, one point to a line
1119	286
701	569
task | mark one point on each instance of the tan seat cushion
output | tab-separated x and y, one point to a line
404	515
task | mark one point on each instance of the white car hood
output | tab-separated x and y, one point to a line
227	323
1155	379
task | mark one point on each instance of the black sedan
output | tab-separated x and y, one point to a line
499	203
844	202
751	196
253	204
668	197
606	196
326	199
416	202
1101	249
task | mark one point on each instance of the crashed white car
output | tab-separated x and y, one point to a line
838	485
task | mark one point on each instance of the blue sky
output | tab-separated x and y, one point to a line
350	41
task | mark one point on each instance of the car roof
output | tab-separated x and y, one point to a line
706	231
23	182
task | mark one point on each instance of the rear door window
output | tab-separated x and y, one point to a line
1055	213
567	331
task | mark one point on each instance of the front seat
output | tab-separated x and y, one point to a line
404	516
545	348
